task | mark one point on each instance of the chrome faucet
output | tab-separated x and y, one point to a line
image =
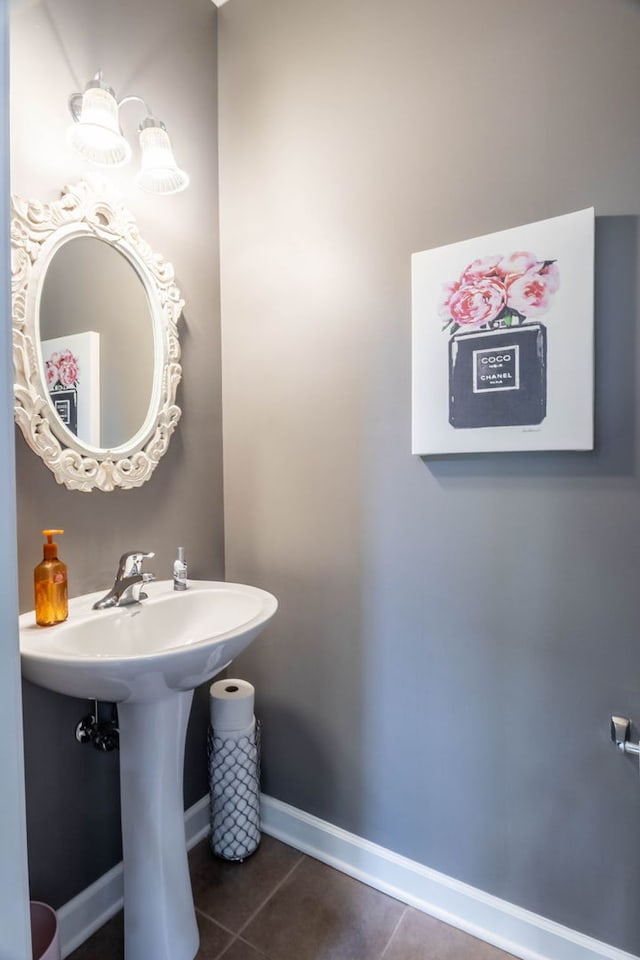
129	581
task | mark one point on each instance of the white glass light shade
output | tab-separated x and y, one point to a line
96	135
159	172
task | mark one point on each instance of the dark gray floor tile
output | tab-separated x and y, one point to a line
420	937
107	943
321	914
231	892
316	914
198	855
239	950
213	939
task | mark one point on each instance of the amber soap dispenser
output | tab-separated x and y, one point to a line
50	584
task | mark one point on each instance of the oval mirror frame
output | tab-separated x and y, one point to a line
91	208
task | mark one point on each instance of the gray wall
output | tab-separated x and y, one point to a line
448	706
164	52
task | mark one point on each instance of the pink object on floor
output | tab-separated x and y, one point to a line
45	939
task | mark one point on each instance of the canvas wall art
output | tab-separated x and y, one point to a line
502	340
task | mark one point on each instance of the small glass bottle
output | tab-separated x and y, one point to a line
180	571
50	585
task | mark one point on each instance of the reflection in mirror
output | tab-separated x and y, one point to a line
96	341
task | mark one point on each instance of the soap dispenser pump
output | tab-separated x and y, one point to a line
50	585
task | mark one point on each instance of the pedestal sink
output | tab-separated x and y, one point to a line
148	658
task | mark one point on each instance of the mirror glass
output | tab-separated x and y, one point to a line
96	340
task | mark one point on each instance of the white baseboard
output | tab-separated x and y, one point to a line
496	921
83	915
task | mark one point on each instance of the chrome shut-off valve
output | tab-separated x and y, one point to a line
103	734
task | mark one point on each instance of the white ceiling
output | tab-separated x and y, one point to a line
219	3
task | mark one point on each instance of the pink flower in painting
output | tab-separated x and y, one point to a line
52	373
68	369
504	289
531	294
515	264
478	301
481	268
448	290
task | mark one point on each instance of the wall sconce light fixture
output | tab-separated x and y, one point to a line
96	135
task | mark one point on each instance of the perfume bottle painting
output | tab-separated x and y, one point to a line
497	345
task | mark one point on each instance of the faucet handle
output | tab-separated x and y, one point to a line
131	563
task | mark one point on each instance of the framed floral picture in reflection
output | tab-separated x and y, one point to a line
72	371
502	340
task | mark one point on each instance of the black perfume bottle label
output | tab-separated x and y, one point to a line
66	406
498	378
496	369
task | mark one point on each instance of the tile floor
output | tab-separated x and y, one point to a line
283	905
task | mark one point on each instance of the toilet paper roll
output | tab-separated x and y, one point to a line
231	705
235	736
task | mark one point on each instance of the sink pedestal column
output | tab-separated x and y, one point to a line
159	916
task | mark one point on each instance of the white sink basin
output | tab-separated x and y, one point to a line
148	658
172	641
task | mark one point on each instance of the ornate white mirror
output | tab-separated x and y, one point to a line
95	346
